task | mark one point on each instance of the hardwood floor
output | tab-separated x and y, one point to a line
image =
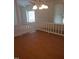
39	45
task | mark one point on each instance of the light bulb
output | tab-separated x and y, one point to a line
40	8
34	7
45	7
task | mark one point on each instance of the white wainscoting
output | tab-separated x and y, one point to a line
42	26
51	28
22	29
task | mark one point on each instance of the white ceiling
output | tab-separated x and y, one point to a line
28	2
23	2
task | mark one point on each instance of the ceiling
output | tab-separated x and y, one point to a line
29	2
23	2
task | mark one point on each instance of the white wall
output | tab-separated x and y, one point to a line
58	11
19	28
45	15
22	26
15	16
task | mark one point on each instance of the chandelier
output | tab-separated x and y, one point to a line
39	4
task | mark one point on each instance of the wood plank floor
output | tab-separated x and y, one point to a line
39	45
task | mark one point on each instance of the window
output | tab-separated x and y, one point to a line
59	14
63	21
30	16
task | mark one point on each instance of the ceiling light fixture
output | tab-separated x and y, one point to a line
39	4
43	6
34	7
40	8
